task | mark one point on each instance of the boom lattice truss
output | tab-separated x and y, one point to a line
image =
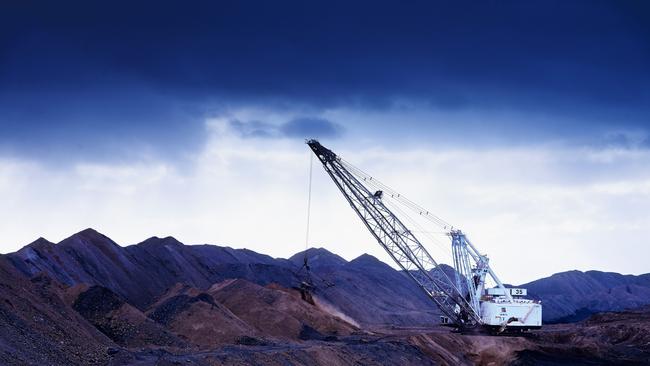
455	299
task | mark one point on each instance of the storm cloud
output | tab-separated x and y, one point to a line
524	122
149	73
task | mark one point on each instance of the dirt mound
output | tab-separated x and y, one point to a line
373	293
252	320
38	328
278	312
121	322
612	338
196	317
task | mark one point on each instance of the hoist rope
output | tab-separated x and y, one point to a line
397	202
311	168
414	207
443	246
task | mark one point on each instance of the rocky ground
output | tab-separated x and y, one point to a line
590	343
240	323
87	301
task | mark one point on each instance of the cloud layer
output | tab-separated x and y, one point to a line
527	124
519	205
150	74
301	128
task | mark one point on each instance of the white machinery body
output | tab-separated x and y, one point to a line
463	299
515	313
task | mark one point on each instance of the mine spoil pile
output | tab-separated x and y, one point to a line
88	301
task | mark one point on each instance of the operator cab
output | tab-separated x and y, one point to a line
500	313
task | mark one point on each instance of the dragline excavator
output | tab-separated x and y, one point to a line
461	294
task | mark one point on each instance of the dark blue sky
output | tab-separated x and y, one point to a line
86	79
142	118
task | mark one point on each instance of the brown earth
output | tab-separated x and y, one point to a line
197	318
89	301
236	322
121	322
596	344
278	312
37	327
613	338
